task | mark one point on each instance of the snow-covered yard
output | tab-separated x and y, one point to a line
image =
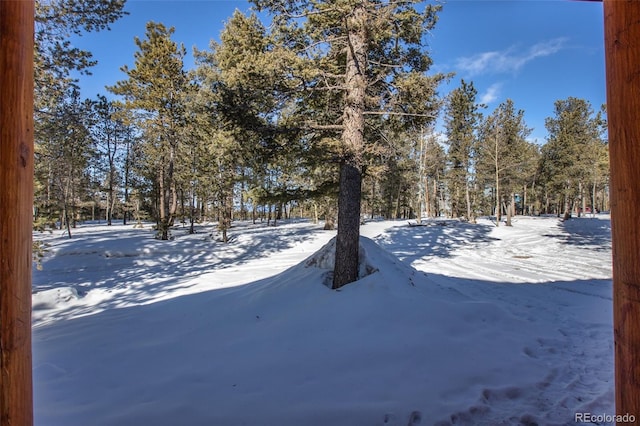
457	324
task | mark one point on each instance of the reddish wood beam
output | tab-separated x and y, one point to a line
622	49
16	204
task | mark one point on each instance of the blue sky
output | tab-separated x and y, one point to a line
532	51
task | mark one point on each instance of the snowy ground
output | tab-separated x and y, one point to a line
455	324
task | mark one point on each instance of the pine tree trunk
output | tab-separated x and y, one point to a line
348	237
593	200
498	204
435	197
467	198
111	201
192	212
373	199
227	207
315	212
508	213
75	216
125	216
67	221
534	203
173	193
511	209
243	215
584	200
567	208
163	222
427	200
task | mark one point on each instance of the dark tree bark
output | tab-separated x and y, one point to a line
348	237
163	208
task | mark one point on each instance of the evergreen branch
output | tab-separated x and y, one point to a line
331	75
288	15
382	64
316	126
325	88
327	40
400	113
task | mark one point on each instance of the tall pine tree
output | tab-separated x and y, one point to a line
154	92
461	127
574	131
356	67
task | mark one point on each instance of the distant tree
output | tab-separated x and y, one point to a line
129	141
400	171
110	135
505	157
398	177
571	151
194	169
596	162
154	93
461	126
57	64
355	66
235	107
62	158
432	166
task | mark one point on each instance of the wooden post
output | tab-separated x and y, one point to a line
622	49
16	204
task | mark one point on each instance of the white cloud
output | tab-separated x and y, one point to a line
491	94
508	60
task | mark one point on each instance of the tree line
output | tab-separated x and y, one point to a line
328	112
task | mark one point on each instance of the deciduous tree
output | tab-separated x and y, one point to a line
505	158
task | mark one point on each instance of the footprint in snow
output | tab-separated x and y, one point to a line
415	418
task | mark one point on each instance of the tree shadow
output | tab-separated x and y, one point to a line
246	338
590	233
438	238
119	268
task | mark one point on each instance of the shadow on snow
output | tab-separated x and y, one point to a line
410	243
144	268
285	350
592	233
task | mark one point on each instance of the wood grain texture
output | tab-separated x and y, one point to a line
16	203
622	49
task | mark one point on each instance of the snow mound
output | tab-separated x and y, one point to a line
371	259
52	298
